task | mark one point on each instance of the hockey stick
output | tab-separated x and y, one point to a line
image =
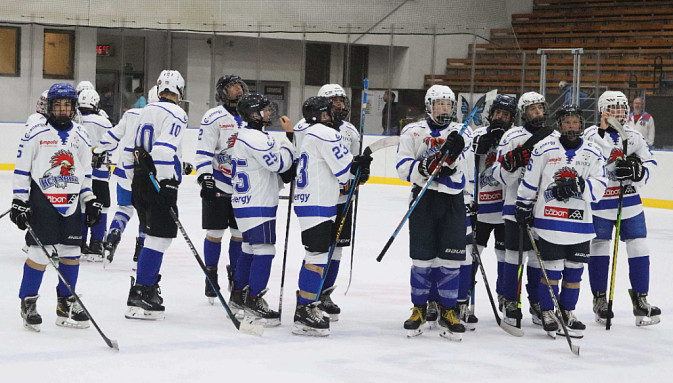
287	237
111	343
247	327
357	192
520	280
473	223
575	349
479	103
5	213
618	224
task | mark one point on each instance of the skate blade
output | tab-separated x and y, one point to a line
600	320
510	321
67	322
414	332
430	325
32	327
552	334
211	300
469	326
536	321
647	321
512	330
133	312
135	266
259	321
25	249
575	334
300	329
333	317
452	336
251	328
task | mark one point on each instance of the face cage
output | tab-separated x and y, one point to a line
340	114
545	109
619	111
445	120
224	92
73	110
571	134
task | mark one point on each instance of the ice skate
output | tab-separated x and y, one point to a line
69	313
111	246
432	315
31	319
309	321
327	305
139	246
144	302
536	313
501	302
574	326
467	318
210	292
601	307
451	327
512	315
257	309
237	302
95	251
230	277
646	314
550	323
413	325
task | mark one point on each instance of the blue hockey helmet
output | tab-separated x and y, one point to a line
506	103
61	91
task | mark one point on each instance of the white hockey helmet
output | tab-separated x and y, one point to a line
330	91
88	99
531	98
84	85
171	81
616	102
42	103
440	92
153	95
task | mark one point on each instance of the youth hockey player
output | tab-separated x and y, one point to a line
257	160
52	179
97	126
122	135
325	165
437	225
564	176
158	148
217	136
502	113
509	170
633	170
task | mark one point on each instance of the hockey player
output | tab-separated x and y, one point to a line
122	135
52	179
437	225
217	136
157	152
97	126
325	165
632	170
564	176
509	170
257	160
502	113
350	137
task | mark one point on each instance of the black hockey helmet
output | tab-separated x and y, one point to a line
254	109
504	102
313	109
569	110
224	83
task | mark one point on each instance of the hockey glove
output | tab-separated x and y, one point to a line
20	213
168	193
515	159
290	174
428	164
629	169
98	159
524	213
208	189
187	168
471	208
362	163
453	145
93	211
567	188
483	143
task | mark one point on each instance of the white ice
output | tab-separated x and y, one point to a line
197	342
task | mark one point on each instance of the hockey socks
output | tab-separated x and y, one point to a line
533	276
498	280
98	230
120	219
235	250
332	272
546	302
242	276
448	280
70	270
639	274
570	292
149	263
309	282
421	280
465	281
211	252
598	272
30	284
260	269
510	281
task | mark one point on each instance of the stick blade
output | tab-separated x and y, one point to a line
382	143
511	329
575	349
112	344
612	121
251	328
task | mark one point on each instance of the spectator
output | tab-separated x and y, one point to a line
107	101
641	121
564	87
394	128
141	101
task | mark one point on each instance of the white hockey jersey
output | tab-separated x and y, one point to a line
418	141
563	222
34	119
256	159
611	147
323	167
161	128
97	126
512	139
121	136
490	201
216	140
60	164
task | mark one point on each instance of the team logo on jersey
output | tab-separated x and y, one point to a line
614	191
487	180
561	174
432	142
61	172
62	199
495	195
48	143
490	159
232	140
615	155
564	213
